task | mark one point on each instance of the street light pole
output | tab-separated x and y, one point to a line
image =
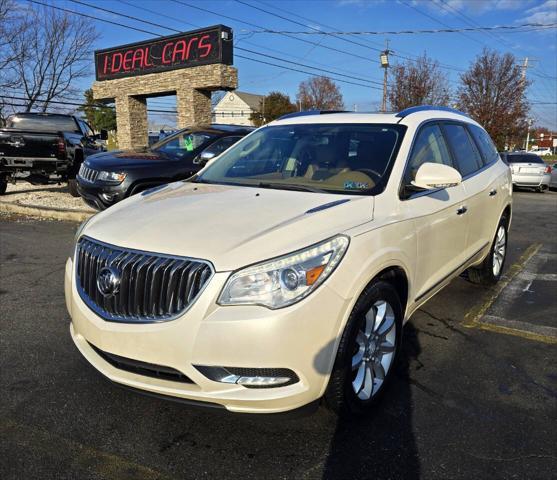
384	58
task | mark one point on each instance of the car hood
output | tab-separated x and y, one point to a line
118	159
228	225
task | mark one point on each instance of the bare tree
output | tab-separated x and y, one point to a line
418	82
493	92
50	55
319	93
12	23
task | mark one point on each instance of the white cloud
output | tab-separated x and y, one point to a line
543	13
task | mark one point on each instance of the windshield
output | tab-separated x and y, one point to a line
351	159
183	143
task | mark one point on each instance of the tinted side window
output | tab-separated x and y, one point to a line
486	145
465	151
429	146
221	145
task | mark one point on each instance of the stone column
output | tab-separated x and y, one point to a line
131	120
193	106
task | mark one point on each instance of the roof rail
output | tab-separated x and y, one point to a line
422	108
310	112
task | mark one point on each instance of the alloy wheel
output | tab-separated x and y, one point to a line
499	250
374	350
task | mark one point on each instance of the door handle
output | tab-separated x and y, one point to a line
493	192
462	210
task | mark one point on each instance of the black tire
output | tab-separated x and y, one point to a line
72	187
542	188
3	184
340	395
484	273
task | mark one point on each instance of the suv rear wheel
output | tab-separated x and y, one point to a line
367	351
490	270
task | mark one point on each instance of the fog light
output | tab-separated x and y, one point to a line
108	197
250	377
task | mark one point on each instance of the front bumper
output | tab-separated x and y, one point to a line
100	197
302	338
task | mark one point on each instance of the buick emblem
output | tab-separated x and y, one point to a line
108	281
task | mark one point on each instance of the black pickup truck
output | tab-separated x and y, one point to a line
34	146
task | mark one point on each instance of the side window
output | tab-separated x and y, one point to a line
486	145
429	146
466	154
220	146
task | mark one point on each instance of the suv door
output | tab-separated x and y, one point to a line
440	224
480	187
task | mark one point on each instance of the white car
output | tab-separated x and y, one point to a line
542	151
283	272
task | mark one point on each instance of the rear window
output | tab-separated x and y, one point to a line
486	145
524	159
42	123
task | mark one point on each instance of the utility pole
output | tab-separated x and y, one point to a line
530	121
384	57
524	68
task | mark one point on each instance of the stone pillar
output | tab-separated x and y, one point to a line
131	120
193	106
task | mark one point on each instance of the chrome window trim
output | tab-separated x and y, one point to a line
137	320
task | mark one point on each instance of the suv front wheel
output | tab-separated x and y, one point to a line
367	350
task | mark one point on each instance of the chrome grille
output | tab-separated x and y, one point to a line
151	287
88	173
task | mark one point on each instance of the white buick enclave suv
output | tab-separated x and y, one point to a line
284	271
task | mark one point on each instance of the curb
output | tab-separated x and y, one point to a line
49	213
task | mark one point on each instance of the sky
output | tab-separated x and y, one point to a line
350	56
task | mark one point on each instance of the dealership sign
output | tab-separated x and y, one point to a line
189	49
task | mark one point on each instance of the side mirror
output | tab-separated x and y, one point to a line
104	134
432	176
204	157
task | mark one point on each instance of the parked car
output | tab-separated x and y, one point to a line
542	151
109	177
553	177
528	170
283	272
42	144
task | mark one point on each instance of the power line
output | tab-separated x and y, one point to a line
238	48
59	102
285	35
538	26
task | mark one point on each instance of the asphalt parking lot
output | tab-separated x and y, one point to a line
474	396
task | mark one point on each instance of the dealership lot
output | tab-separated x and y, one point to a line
475	394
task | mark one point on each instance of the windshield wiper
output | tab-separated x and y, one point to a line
290	186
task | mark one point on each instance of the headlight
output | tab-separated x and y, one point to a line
285	280
112	177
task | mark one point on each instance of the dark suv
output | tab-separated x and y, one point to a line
109	177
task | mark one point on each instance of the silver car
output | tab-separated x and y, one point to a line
528	170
